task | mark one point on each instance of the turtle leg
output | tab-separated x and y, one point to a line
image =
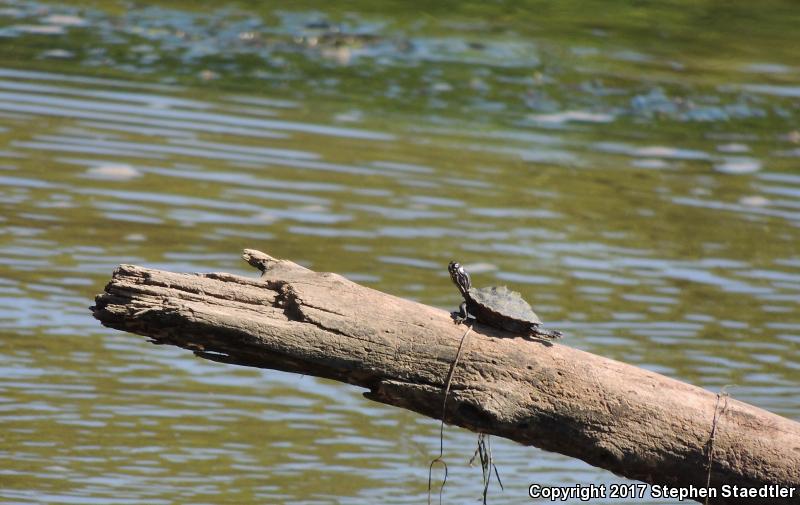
462	314
538	332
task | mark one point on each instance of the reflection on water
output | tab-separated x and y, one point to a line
653	216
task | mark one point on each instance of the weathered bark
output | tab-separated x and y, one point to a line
630	421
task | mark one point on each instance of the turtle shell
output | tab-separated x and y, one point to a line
501	307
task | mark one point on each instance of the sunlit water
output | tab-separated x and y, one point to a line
646	197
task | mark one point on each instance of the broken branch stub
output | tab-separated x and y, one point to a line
628	420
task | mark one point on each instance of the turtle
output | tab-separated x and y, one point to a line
498	307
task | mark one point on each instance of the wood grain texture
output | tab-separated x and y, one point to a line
628	420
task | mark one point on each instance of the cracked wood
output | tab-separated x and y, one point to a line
631	421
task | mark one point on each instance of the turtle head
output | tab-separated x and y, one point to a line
460	277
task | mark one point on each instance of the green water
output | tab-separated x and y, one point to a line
630	168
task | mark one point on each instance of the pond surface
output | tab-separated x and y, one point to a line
632	169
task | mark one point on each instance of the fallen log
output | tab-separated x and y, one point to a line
630	421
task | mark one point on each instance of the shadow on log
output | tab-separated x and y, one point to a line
630	421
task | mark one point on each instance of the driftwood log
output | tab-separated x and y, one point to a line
631	421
